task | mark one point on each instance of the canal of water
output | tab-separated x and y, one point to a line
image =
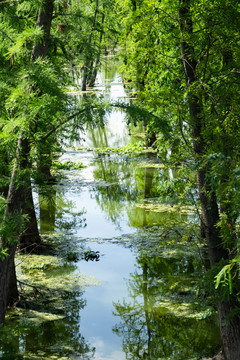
117	282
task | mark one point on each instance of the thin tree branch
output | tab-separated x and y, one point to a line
63	123
123	106
183	135
35	288
169	15
7	35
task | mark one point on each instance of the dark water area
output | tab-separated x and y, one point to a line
121	281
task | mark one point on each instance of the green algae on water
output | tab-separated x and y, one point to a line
51	272
164	208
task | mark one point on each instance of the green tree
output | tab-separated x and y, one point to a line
35	106
32	95
20	192
187	55
99	33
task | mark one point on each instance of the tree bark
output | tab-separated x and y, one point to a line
19	193
229	320
13	293
5	271
30	238
209	206
97	61
15	201
88	59
44	21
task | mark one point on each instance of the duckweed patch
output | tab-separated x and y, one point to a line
67	165
34	263
129	149
185	310
165	208
70	249
173	268
156	241
50	272
52	293
47	282
42	355
32	317
151	165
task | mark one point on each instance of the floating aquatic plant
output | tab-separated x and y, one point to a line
129	149
68	165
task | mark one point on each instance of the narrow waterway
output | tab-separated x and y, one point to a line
119	286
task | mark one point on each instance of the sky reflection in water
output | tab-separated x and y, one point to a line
132	280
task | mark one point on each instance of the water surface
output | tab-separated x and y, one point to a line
133	299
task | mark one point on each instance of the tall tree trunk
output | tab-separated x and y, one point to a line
229	320
5	271
209	206
97	61
30	238
44	21
15	201
20	199
89	55
228	317
13	293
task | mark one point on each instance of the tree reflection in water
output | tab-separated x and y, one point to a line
26	338
151	326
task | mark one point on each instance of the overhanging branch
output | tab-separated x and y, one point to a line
61	124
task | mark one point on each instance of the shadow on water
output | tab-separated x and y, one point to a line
121	277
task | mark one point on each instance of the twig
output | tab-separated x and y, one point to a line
25	257
36	289
7	35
